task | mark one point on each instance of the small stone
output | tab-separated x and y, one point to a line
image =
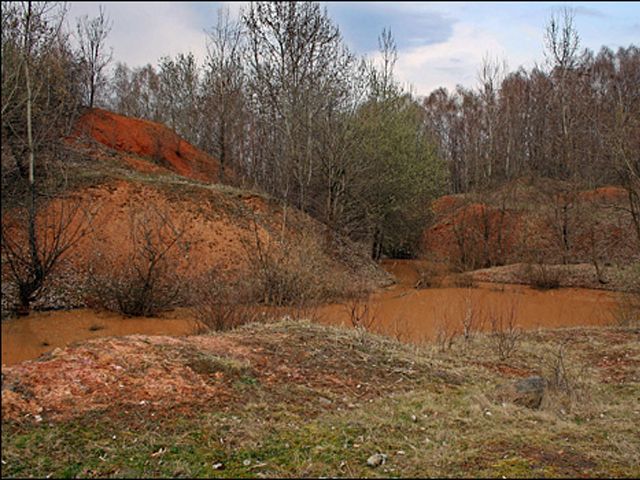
414	418
246	462
38	418
218	466
376	460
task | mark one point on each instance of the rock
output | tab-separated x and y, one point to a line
218	466
376	460
527	392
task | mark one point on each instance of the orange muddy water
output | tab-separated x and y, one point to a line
29	337
420	314
401	311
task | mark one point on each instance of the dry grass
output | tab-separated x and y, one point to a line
542	276
627	311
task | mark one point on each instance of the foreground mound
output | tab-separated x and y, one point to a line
299	399
150	140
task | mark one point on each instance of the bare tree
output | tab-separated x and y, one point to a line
224	91
37	238
296	61
177	97
144	281
562	40
34	243
91	35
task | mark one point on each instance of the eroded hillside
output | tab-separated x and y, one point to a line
535	221
128	172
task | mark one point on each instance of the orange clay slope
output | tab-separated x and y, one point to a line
219	225
151	141
532	221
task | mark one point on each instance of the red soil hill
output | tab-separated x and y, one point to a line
150	140
575	226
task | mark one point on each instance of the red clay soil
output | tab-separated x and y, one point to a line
598	221
609	194
150	140
477	226
217	226
133	370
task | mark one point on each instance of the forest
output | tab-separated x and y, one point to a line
284	104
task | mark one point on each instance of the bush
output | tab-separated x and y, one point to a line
142	281
292	272
220	303
504	336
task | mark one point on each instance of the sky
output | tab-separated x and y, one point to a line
440	44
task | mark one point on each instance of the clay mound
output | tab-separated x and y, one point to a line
486	234
130	371
447	204
609	194
149	140
523	220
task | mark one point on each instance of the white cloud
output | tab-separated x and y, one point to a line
143	32
449	63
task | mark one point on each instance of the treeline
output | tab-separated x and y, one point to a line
577	118
283	102
280	100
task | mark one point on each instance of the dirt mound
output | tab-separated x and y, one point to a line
165	373
139	172
609	194
527	221
472	235
218	226
150	140
132	370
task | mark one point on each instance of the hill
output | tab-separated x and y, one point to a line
130	178
535	221
150	141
